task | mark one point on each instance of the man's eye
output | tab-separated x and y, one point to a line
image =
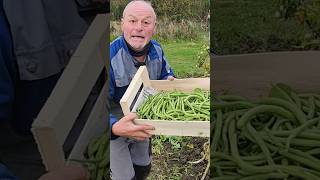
146	22
132	21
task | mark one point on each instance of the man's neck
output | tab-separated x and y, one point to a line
138	54
141	58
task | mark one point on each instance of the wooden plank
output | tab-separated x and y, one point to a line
95	126
250	75
145	76
49	148
178	128
186	85
129	95
70	93
140	77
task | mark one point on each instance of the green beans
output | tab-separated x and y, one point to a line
177	105
217	131
97	158
275	137
264	109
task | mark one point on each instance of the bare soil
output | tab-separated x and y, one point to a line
173	163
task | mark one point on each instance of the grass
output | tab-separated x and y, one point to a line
182	57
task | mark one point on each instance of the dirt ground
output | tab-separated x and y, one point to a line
173	163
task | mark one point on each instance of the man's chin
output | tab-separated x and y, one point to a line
137	48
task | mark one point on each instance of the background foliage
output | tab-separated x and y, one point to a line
250	26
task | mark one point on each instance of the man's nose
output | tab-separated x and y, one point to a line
139	26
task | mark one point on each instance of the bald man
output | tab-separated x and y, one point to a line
130	145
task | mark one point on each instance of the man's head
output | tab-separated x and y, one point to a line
138	24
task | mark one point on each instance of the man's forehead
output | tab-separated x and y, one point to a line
138	17
139	9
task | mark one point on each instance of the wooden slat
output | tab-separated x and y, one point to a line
140	77
49	148
250	75
95	126
178	128
186	85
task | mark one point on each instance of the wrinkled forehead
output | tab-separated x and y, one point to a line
139	9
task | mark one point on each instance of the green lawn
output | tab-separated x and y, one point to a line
182	57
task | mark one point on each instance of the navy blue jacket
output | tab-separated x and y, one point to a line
5	174
7	69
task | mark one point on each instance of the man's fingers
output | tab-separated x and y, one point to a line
170	78
148	131
131	116
143	127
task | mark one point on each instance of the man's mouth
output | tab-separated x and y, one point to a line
138	37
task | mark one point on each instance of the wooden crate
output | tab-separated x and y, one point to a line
163	127
251	75
55	120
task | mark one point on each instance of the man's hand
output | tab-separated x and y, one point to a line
171	78
67	173
125	127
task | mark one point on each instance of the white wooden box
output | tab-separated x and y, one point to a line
164	127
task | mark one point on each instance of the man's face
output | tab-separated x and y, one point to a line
138	25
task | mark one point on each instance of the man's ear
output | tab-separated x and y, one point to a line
155	29
122	22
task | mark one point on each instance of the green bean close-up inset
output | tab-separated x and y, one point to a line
97	157
274	137
177	105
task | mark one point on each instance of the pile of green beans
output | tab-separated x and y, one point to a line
97	158
275	137
177	105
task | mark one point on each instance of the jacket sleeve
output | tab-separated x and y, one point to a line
112	118
5	174
6	89
166	70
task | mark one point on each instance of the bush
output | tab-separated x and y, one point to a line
169	30
203	58
255	26
176	19
174	10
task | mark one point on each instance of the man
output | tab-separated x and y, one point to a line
130	150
